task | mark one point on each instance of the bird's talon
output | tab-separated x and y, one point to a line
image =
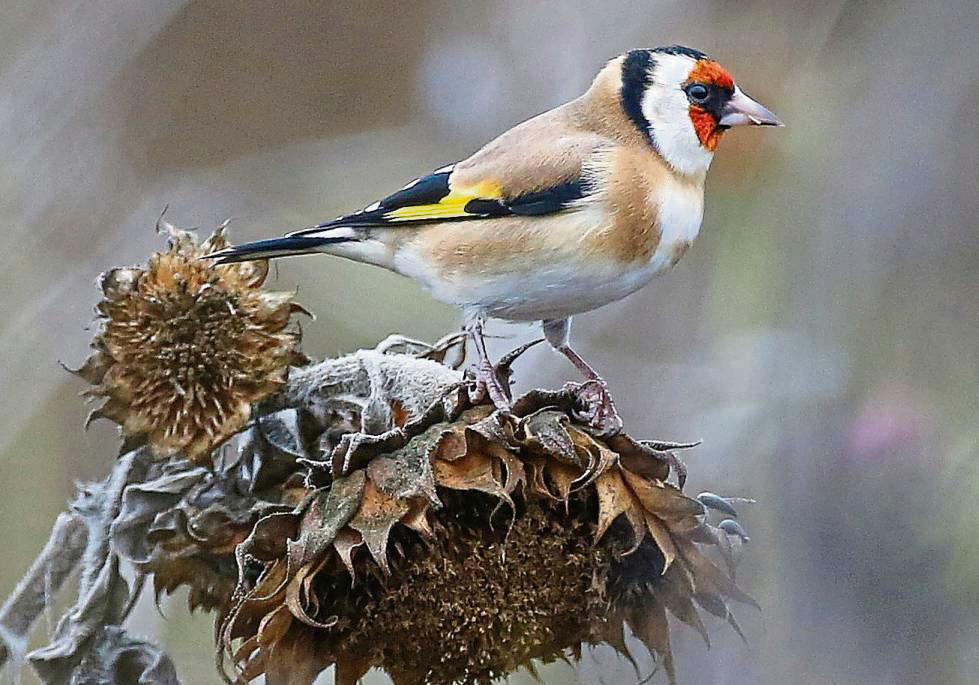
598	409
485	382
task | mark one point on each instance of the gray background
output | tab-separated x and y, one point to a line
821	337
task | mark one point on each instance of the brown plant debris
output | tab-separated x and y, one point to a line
464	544
186	348
368	516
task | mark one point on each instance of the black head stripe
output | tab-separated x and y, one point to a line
637	74
681	50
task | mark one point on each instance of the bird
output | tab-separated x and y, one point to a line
564	213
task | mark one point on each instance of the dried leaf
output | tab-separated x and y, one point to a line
535	475
662	499
143	502
328	512
639	457
547	435
345	543
93	369
273	627
562	476
416	518
356	450
676	593
614	499
661	536
605	460
114	652
374	520
293	660
298	596
282	430
651	627
472	472
270	535
707	577
613	634
513	475
407	472
451	444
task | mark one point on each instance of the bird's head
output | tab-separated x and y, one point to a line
684	101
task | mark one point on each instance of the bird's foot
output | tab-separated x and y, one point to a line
598	410
487	383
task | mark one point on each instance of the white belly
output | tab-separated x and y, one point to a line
559	290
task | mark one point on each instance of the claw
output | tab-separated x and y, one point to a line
487	384
600	413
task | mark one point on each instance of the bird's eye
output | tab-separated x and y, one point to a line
697	93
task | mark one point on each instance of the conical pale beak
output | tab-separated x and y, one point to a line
743	111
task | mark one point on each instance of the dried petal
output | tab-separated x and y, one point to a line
345	543
661	498
614	499
661	536
650	626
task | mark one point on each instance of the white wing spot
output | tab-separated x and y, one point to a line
373	207
447	168
412	184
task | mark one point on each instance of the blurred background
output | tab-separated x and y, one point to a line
822	337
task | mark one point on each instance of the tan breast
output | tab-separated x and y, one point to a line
633	180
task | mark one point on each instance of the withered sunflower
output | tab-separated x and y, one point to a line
186	347
464	546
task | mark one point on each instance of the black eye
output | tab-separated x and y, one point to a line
698	93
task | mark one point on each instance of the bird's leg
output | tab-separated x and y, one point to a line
487	378
602	415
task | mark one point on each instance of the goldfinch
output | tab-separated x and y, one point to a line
564	213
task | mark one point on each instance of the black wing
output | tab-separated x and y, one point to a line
431	199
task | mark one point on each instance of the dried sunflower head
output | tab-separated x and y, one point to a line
186	347
463	545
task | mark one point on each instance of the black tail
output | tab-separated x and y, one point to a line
276	247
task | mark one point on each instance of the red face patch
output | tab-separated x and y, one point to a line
709	73
705	125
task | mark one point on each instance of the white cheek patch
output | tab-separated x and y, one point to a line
667	110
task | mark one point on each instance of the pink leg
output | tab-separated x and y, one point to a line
602	415
487	379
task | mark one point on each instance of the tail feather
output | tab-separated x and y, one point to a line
276	247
